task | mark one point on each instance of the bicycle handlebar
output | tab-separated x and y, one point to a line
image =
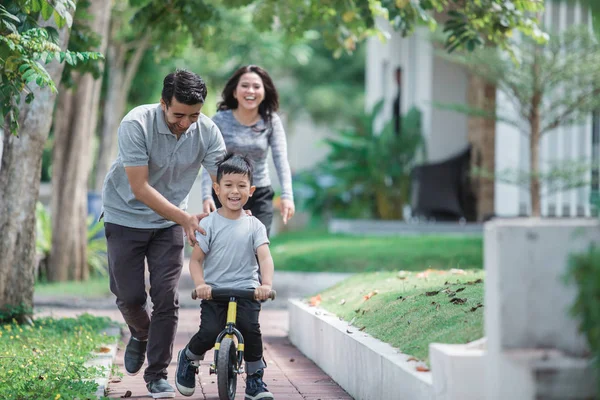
226	293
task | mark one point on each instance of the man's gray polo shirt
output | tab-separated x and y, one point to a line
173	165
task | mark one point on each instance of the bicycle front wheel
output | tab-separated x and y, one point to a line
227	370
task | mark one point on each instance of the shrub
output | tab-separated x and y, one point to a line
96	246
366	173
584	271
46	360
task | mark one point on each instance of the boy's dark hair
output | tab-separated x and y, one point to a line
187	88
234	164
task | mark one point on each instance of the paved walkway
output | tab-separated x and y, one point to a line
289	376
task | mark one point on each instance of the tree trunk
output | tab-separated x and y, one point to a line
534	150
19	190
120	78
77	117
482	137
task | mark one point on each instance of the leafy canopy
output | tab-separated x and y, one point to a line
25	47
345	23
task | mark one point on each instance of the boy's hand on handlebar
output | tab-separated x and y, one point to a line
262	292
204	292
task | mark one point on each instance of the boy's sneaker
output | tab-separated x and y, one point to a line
255	387
185	374
135	354
160	389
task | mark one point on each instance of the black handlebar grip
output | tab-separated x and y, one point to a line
272	295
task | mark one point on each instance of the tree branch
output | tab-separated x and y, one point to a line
571	109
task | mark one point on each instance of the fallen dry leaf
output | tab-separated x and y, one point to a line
349	332
429	271
476	307
457	300
115	379
362	329
292	359
412	359
370	294
433	293
315	300
103	349
475	282
460	289
455	271
422	368
126	395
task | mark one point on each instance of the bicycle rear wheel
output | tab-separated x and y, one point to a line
227	370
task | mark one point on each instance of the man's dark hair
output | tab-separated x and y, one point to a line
185	86
234	164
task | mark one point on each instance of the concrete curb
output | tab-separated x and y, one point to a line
367	368
105	360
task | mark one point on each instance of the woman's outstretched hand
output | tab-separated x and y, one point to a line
287	210
208	206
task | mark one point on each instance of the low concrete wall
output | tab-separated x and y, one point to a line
365	367
375	227
527	303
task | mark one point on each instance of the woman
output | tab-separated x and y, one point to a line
250	125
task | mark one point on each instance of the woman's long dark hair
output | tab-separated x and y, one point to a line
270	103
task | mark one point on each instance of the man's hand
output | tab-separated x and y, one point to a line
191	225
262	292
204	292
208	206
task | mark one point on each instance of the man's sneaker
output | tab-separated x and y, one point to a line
185	374
255	387
160	389
135	354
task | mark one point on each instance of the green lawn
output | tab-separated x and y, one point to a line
408	311
93	288
318	250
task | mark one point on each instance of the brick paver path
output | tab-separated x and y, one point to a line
289	376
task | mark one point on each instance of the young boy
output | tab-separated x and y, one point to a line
227	257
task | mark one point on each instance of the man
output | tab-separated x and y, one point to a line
161	149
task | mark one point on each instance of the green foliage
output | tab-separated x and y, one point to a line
366	172
584	271
409	310
344	24
329	89
24	49
96	247
82	40
46	360
19	313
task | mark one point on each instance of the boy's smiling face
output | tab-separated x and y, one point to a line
233	191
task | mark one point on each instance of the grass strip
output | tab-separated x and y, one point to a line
46	360
319	251
409	310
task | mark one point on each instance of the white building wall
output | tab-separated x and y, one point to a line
449	129
425	79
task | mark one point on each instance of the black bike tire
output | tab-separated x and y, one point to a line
226	374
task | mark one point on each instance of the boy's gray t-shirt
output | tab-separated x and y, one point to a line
230	248
173	165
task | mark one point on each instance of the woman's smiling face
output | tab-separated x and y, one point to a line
250	91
